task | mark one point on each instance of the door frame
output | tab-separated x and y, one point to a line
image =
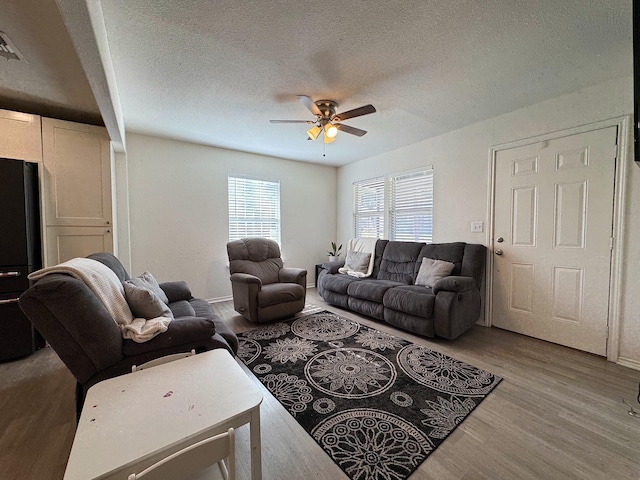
620	178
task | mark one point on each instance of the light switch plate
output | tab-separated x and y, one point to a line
477	227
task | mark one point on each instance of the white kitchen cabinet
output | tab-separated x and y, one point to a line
64	243
76	190
20	136
77	174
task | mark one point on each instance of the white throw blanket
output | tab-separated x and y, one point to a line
107	287
366	245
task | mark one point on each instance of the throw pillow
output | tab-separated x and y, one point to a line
357	261
146	280
433	270
144	303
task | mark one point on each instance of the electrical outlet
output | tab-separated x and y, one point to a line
477	227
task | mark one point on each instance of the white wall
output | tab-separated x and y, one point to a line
461	180
179	212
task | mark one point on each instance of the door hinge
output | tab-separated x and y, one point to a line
615	151
611	243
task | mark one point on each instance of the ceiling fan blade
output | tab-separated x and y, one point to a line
307	102
308	122
352	130
356	112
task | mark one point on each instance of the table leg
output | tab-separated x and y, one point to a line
256	445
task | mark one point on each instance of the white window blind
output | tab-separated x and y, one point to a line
411	206
254	208
368	210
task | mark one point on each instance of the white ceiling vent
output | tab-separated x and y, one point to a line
8	49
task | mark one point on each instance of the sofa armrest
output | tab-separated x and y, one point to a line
181	330
245	278
332	267
293	275
454	283
176	291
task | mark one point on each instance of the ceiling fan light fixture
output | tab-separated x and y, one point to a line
325	116
329	139
313	132
330	130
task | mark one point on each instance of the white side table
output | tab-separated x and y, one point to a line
131	421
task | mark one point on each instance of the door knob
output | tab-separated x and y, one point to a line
499	252
499	239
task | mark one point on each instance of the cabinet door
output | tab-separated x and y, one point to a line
65	243
77	174
20	136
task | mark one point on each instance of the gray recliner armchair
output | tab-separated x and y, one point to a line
262	289
83	333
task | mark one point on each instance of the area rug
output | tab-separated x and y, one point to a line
377	404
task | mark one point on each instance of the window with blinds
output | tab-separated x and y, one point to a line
254	208
400	205
368	208
411	206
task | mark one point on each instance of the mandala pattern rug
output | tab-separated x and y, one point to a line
377	404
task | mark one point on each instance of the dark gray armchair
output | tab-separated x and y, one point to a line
262	289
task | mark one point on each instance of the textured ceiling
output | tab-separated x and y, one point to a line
216	72
50	81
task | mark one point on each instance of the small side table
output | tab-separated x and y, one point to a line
318	268
132	421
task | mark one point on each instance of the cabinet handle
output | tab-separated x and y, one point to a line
11	300
9	274
108	230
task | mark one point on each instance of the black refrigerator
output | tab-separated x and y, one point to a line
20	254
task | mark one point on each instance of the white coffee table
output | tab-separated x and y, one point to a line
131	421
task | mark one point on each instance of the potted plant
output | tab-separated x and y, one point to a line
334	253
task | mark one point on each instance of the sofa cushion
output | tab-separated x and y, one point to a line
449	252
181	330
366	307
183	308
176	291
112	262
338	283
276	293
146	280
144	303
474	261
371	290
399	261
412	323
357	261
202	308
433	270
412	299
335	298
380	246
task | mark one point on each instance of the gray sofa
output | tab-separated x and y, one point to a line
447	309
86	338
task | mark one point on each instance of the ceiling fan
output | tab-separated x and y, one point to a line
327	120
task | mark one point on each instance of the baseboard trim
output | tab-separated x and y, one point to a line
220	299
628	362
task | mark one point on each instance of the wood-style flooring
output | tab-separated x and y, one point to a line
558	414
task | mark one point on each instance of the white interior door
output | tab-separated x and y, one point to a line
553	216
